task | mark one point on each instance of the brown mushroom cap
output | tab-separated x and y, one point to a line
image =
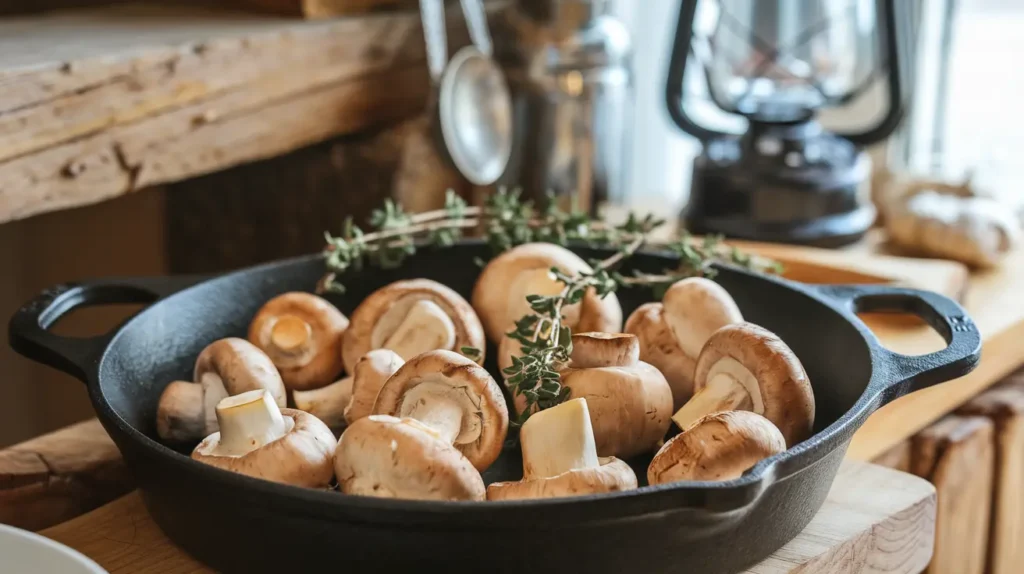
301	334
785	391
659	348
719	446
613	475
240	366
372	370
394	301
302	457
673	332
186	411
630	407
499	295
482	403
427	468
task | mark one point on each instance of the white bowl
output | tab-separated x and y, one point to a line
24	552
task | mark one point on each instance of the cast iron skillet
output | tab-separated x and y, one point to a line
239	524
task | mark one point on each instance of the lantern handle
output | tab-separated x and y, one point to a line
895	28
677	73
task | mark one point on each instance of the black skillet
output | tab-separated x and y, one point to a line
238	524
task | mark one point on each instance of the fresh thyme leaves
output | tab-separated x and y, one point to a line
506	220
471	353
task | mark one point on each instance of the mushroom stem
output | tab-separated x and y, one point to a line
557	440
249	421
326	403
722	393
440	413
290	333
425	328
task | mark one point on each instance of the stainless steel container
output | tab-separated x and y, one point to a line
567	63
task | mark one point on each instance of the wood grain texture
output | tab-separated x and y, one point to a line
58	476
957	455
897	457
1004	405
105	101
875	521
316	9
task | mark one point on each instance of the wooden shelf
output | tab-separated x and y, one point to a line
99	102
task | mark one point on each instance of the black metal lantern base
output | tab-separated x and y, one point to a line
784	184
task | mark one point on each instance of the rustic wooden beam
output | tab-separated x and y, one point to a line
956	455
101	102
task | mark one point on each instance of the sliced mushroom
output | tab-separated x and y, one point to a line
301	334
454	396
719	446
390	457
630	402
371	372
259	439
186	411
673	332
560	458
499	295
746	367
327	403
411	317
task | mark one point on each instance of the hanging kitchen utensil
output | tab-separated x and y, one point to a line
473	106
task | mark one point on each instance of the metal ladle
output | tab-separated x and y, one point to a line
474	106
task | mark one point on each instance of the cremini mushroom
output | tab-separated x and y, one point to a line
259	439
186	411
351	398
630	402
411	317
499	295
327	403
560	458
673	332
719	446
391	457
301	334
746	367
454	396
372	370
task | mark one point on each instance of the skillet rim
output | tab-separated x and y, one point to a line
715	497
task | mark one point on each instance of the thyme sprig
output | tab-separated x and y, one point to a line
506	220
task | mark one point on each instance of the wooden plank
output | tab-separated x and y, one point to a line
897	457
956	454
100	102
1004	405
50	479
875	521
316	9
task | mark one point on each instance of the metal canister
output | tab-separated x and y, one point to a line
568	66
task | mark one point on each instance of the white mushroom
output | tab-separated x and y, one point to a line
259	439
301	333
499	295
719	446
560	458
746	367
351	398
673	332
411	317
390	457
186	411
454	396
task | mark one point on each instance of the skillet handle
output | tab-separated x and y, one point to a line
28	329
901	373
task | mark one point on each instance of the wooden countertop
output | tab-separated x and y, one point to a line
875	520
103	101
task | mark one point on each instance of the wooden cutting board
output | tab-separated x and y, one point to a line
874	520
